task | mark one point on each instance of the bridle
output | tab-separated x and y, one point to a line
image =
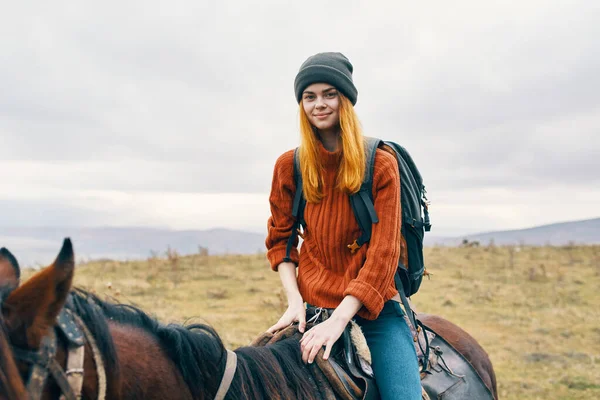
43	360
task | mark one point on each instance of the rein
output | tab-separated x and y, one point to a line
227	378
44	363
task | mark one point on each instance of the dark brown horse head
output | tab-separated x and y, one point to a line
30	310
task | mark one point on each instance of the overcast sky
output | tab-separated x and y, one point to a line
172	114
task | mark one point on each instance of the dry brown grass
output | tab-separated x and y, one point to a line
535	310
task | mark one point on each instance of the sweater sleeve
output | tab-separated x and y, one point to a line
281	221
377	273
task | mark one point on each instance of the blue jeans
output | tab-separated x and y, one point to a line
393	356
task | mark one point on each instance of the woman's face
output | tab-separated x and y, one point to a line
321	103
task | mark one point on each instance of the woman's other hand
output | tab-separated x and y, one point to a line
296	312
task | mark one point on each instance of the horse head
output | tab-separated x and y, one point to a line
30	310
29	313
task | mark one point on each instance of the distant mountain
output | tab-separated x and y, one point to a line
39	246
34	246
578	232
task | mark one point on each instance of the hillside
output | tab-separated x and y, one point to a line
37	245
535	311
573	232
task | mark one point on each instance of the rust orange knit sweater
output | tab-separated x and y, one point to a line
327	270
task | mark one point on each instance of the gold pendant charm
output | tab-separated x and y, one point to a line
353	247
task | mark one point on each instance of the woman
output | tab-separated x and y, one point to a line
358	284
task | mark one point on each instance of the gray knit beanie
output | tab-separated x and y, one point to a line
332	68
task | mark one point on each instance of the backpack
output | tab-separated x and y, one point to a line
415	213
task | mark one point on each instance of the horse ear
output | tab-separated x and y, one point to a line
32	308
10	273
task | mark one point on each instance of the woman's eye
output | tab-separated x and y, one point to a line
331	94
309	97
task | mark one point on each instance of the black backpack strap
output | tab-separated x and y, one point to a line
297	207
412	318
362	201
409	311
371	145
299	201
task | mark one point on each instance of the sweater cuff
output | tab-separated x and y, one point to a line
370	298
276	255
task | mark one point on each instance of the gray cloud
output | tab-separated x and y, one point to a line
197	97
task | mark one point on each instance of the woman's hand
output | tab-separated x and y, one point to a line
328	332
323	334
296	312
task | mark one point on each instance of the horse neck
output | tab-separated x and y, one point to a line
145	370
153	359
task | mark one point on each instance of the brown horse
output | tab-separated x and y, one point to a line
144	359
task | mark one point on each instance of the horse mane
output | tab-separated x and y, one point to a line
272	372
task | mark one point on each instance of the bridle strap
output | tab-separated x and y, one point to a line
41	361
74	371
44	362
62	381
228	375
100	370
30	357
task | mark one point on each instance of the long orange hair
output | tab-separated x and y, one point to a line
353	164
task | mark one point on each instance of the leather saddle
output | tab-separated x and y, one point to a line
347	374
349	368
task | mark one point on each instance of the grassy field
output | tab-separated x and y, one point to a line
536	310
